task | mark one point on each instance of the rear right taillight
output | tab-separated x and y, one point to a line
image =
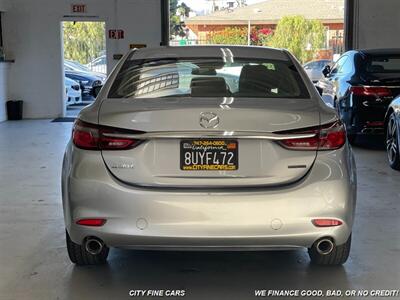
94	137
326	137
375	91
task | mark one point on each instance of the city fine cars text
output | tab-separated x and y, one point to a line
157	293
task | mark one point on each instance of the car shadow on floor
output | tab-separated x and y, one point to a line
370	142
203	275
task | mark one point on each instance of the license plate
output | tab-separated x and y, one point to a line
209	155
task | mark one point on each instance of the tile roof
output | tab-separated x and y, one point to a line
271	11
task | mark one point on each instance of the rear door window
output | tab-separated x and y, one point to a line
383	64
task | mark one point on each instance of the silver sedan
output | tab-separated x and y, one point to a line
208	148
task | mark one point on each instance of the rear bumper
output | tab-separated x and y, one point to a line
360	118
269	218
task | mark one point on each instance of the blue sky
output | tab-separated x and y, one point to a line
199	4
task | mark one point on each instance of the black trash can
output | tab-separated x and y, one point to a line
14	109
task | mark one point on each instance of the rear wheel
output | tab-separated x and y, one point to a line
80	256
392	143
337	256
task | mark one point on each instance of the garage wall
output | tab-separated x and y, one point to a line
4	4
376	24
32	36
3	74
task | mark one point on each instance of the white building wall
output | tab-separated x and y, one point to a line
3	90
32	37
3	74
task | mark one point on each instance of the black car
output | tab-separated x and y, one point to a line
87	81
361	85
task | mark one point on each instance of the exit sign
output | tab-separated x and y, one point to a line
78	8
116	34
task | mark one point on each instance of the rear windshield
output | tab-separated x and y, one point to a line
208	77
383	64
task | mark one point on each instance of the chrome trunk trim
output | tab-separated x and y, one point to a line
213	134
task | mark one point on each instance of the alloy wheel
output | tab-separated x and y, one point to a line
392	140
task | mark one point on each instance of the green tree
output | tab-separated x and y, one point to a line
177	12
300	36
173	6
83	41
184	10
229	36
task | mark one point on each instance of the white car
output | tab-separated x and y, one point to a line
74	66
314	69
72	91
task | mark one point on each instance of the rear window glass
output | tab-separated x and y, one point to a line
208	77
383	64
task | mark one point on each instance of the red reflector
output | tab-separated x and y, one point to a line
326	222
374	124
92	137
377	91
91	222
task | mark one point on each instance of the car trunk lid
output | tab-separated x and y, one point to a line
249	124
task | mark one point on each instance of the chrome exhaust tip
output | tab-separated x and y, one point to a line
94	245
324	246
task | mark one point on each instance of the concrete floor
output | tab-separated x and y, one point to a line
74	110
34	263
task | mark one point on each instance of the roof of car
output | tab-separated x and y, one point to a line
223	51
81	74
380	51
319	60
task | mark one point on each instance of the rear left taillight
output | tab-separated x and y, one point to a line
94	137
326	137
375	91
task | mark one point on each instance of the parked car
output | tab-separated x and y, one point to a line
201	162
392	125
72	91
87	81
314	69
361	86
98	64
70	65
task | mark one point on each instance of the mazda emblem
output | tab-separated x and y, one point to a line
209	120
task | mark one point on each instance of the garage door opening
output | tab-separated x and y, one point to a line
313	30
85	64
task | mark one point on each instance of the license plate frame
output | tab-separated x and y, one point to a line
223	155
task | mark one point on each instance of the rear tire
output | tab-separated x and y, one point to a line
78	254
338	256
392	143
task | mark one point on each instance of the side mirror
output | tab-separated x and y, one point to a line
96	90
326	70
319	89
